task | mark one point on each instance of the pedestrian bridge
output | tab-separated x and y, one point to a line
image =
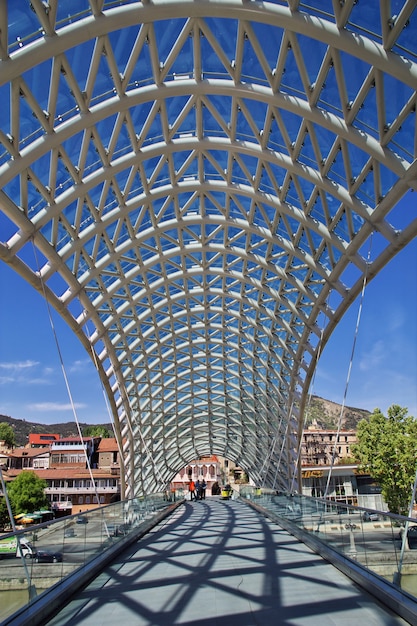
263	558
201	189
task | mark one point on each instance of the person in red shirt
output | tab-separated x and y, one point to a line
191	489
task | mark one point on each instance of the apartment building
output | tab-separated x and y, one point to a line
325	447
73	484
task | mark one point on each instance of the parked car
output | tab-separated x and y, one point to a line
69	532
124	529
370	517
412	537
117	531
81	520
47	556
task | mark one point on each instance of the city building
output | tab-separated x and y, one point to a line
28	458
73	485
328	470
325	447
213	469
74	451
205	468
38	440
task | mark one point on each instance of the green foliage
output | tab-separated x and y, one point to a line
315	412
387	450
7	434
97	431
26	493
346	460
4	513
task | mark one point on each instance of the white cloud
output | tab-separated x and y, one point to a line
55	406
6	380
18	365
38	381
80	365
374	358
396	320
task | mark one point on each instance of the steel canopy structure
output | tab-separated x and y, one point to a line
200	188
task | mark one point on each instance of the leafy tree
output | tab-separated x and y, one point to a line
96	431
387	449
4	514
26	493
7	434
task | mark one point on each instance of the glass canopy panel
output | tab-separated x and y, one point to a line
196	280
406	43
366	20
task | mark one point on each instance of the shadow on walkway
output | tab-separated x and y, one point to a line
219	563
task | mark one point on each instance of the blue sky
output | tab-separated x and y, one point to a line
384	369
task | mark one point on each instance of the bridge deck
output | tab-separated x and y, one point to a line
219	563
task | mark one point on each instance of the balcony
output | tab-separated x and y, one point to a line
80	490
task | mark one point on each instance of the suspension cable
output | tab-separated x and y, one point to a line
342	408
64	373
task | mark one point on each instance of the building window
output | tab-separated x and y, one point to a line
80	500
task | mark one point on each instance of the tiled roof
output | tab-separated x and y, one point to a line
29	452
108	445
64	473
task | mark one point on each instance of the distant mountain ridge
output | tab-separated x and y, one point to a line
321	413
23	428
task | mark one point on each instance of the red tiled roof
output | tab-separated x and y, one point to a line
38	438
28	452
108	445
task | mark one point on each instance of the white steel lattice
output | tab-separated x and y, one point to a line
198	177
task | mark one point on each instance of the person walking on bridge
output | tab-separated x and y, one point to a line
191	489
203	490
198	490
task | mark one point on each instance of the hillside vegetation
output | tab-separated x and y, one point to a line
325	414
23	428
321	413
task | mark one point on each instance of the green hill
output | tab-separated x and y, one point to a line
23	428
321	413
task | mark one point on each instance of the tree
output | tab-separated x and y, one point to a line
7	435
387	450
4	514
27	493
96	431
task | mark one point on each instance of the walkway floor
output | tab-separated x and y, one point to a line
219	563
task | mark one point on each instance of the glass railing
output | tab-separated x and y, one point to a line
381	542
35	559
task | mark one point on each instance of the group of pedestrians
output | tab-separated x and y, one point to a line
197	489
